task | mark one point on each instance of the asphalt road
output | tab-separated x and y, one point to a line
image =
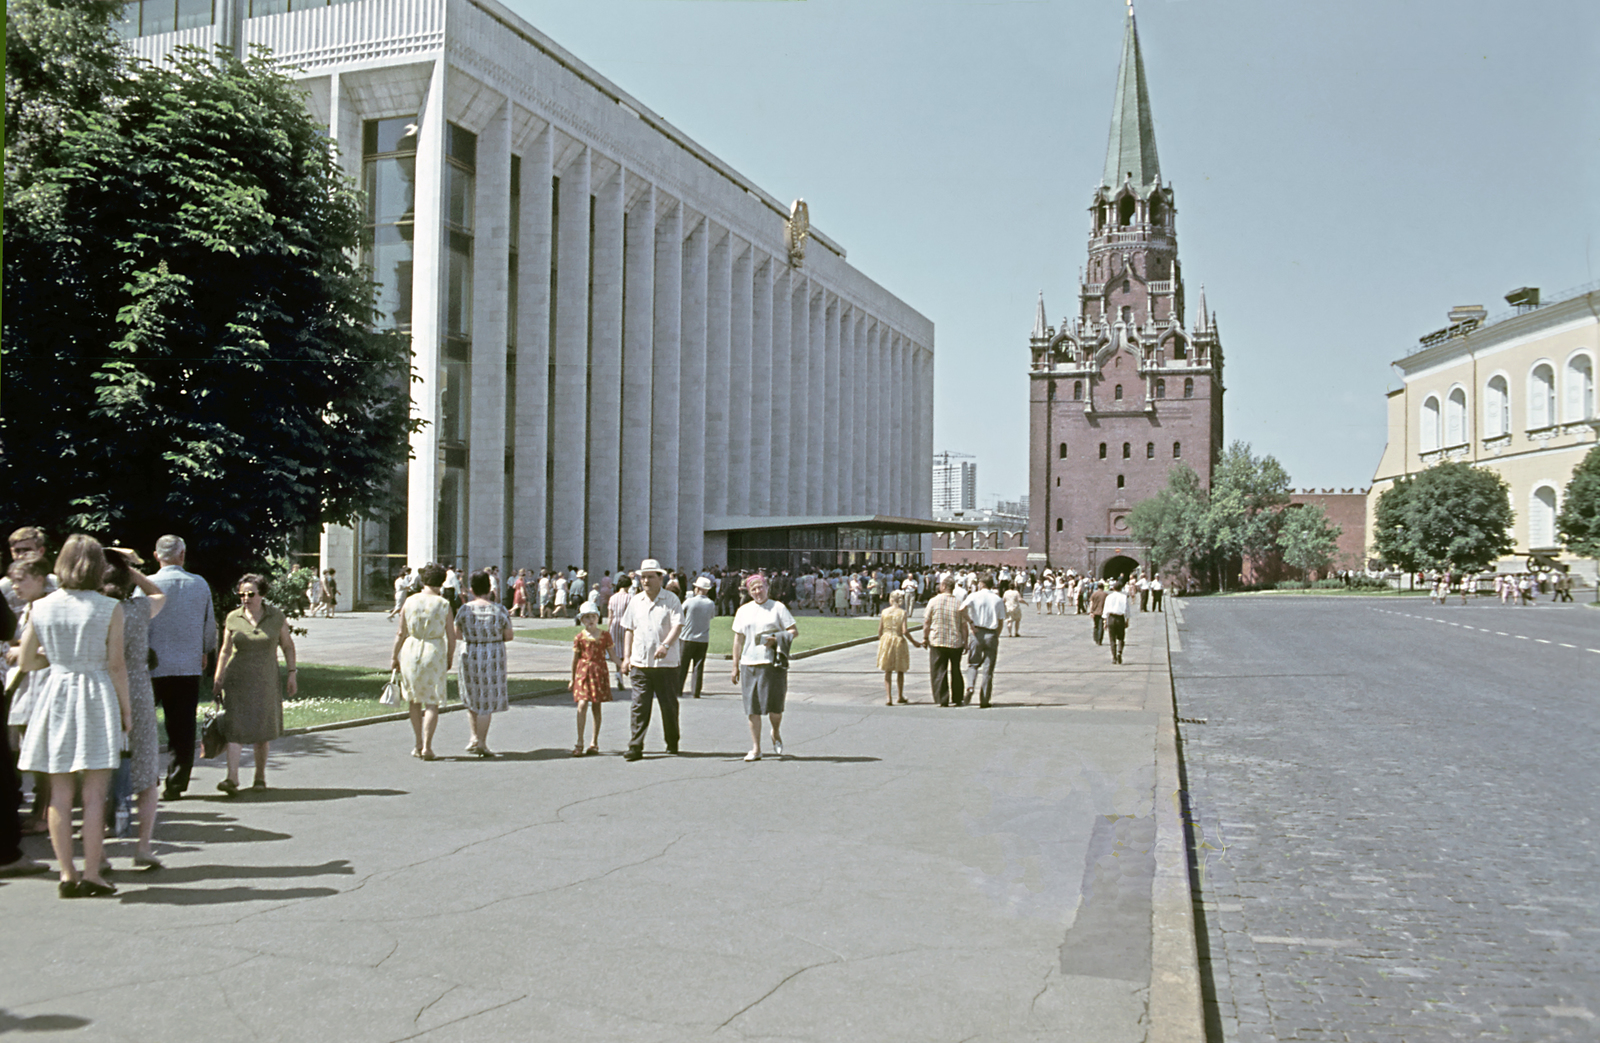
1393	809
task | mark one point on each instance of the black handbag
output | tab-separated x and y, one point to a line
212	741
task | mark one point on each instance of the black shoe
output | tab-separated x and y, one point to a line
90	889
633	755
171	794
673	749
68	889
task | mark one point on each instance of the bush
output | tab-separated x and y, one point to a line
1290	584
1328	584
1368	583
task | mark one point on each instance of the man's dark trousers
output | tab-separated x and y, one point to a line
179	697
1144	600
985	648
1099	629
1155	600
944	667
1118	627
694	658
661	684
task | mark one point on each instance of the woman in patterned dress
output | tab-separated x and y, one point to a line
144	742
591	678
484	628
424	650
81	716
894	653
246	681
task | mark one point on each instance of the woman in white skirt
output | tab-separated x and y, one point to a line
1044	593
80	719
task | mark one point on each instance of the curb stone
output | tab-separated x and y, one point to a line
1177	1010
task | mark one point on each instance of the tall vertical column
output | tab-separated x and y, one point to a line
486	415
529	544
801	403
666	378
693	376
899	421
569	433
427	324
762	391
850	378
633	490
922	464
825	473
719	378
605	378
871	442
741	358
781	439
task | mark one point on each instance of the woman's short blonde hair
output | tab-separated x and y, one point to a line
897	597
81	565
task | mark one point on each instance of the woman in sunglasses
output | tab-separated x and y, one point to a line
247	678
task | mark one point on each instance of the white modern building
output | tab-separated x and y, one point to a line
955	485
626	348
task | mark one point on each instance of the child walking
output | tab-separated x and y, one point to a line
591	676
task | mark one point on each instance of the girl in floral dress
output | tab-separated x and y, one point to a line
591	677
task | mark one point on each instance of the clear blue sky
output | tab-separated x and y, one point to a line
1345	172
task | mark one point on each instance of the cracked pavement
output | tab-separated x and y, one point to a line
904	873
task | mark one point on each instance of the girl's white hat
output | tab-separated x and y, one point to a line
588	608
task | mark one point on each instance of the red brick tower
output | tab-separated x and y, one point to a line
1125	389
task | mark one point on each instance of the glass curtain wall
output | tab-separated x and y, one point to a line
389	180
455	376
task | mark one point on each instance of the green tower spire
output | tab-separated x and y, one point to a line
1132	149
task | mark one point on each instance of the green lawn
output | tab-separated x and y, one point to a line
815	632
329	694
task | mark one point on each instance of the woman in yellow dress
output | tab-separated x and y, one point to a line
894	641
424	651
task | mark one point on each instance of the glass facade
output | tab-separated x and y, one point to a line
149	17
389	180
455	368
822	547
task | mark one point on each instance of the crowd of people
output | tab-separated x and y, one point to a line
97	645
1512	588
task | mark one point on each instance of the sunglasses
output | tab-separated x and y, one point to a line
249	593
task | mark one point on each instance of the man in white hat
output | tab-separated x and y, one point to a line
651	626
698	613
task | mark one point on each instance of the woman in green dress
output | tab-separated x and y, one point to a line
424	651
246	681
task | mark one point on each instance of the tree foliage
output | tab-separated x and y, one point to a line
1308	538
1207	531
1451	517
1579	520
188	342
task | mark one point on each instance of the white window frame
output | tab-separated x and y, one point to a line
1538	536
1497	405
1456	413
1431	432
1541	396
1578	388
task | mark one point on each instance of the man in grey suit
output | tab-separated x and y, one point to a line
183	637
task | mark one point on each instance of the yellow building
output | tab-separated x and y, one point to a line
1515	395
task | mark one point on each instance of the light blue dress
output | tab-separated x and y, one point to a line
77	722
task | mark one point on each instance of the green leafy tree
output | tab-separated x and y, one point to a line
1308	538
1173	522
188	342
1247	493
1579	520
1453	516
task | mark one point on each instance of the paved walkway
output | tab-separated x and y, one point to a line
904	873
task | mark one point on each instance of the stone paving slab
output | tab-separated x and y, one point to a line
905	873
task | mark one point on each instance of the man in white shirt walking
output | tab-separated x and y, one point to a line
1116	614
651	626
985	613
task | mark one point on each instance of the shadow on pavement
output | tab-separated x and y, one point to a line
210	827
10	1022
219	896
196	874
298	794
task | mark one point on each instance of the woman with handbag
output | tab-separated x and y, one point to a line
424	651
144	741
81	717
246	681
